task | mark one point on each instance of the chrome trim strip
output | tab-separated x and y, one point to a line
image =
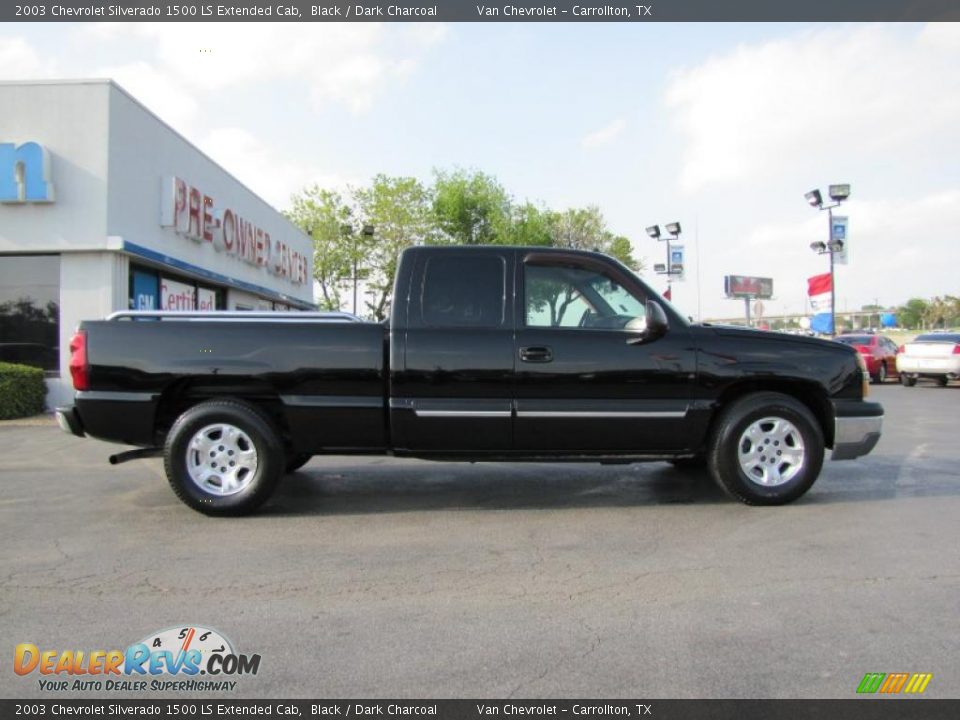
230	315
600	414
115	396
333	401
463	413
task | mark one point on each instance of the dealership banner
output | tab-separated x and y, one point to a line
473	11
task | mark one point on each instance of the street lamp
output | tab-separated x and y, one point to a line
837	193
674	234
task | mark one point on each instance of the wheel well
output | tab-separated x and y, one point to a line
187	392
811	395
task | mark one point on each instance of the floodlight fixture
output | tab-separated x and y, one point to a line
673	228
660	268
654	232
839	193
368	230
818	247
814	198
835	246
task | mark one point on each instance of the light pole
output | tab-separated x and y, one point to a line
654	232
838	193
346	230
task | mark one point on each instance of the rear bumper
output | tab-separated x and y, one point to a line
69	420
857	429
929	366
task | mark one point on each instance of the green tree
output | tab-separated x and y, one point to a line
527	224
911	314
323	215
470	208
586	229
399	209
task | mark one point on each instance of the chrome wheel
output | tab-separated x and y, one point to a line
771	451
221	459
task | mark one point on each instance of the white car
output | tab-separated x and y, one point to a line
934	355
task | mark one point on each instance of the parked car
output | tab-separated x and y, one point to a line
878	352
934	355
491	353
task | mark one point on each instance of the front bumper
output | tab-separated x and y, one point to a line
857	429
69	420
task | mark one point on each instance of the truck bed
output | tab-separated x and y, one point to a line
326	378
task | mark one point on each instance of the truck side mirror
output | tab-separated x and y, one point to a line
656	325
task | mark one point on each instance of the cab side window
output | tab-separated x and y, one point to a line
464	291
569	296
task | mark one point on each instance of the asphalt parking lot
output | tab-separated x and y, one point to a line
378	577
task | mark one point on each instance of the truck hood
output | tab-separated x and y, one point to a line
751	334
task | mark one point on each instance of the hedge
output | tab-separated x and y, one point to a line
21	391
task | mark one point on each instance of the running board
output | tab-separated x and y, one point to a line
135	455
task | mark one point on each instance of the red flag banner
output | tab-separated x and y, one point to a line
819	284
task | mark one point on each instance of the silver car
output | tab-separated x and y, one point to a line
934	355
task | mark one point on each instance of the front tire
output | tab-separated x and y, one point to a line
766	449
224	457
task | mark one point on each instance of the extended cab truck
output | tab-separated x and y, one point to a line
491	353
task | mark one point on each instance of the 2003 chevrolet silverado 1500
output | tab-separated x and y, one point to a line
491	353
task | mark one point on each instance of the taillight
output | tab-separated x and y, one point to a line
901	349
956	349
863	349
79	369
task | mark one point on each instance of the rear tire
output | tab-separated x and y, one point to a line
881	377
766	449
223	457
943	381
907	381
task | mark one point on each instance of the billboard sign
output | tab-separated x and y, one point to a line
739	286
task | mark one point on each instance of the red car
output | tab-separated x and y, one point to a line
878	352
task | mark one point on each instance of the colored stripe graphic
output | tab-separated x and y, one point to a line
871	682
893	683
918	682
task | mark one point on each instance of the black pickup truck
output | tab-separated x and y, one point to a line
491	353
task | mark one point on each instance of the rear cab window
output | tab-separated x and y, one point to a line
464	290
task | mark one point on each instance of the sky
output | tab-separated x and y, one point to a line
722	127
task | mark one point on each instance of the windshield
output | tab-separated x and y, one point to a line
939	337
854	339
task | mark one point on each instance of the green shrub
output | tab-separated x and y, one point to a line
21	391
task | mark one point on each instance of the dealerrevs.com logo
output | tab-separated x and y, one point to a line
178	659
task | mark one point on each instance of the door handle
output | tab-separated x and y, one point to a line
537	353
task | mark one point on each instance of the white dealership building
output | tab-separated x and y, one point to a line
104	207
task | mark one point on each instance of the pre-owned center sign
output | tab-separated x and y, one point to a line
194	215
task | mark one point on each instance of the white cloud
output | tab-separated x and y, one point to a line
261	167
864	93
605	135
19	60
892	257
348	64
157	90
